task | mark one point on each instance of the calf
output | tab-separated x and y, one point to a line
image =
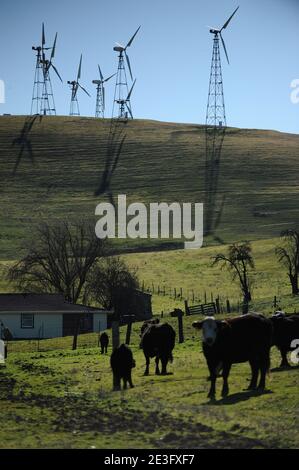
122	363
286	329
104	342
241	339
157	340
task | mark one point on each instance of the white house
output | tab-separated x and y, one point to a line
29	316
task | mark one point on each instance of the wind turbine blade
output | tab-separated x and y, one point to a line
129	65
223	44
228	21
43	35
84	89
129	109
132	38
106	80
101	75
79	69
55	69
130	92
53	48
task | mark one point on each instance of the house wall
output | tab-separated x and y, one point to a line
99	322
50	325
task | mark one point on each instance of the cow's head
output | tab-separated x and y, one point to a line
147	324
210	328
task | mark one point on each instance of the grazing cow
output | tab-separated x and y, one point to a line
104	342
146	323
157	340
286	329
241	339
122	363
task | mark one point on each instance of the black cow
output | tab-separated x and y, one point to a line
241	339
104	342
122	363
286	329
157	340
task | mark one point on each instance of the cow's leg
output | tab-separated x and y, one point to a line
225	373
157	372
125	382
164	362
146	372
116	382
213	376
264	366
130	380
284	358
102	350
254	374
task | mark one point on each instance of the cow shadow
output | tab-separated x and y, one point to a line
24	141
239	397
284	369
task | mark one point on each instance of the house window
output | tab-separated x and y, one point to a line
27	320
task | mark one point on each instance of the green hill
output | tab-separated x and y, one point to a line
52	167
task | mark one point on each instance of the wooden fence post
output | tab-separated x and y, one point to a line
227	306
128	334
115	334
181	328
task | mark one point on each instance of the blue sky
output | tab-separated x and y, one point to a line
170	57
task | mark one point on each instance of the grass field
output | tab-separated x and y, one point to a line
192	271
53	397
63	161
63	399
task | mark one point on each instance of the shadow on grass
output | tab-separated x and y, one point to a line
284	369
239	397
24	141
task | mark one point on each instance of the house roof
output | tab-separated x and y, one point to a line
41	303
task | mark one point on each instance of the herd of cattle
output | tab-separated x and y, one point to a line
247	338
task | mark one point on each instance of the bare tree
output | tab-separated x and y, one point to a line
288	256
112	285
239	261
60	259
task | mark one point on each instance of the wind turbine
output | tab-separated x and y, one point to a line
121	85
74	108
215	133
100	101
42	97
216	108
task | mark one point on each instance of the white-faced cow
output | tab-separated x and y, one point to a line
157	340
240	339
286	329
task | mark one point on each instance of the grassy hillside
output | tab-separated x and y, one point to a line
192	271
63	160
62	399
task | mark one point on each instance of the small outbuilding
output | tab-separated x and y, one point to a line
32	316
